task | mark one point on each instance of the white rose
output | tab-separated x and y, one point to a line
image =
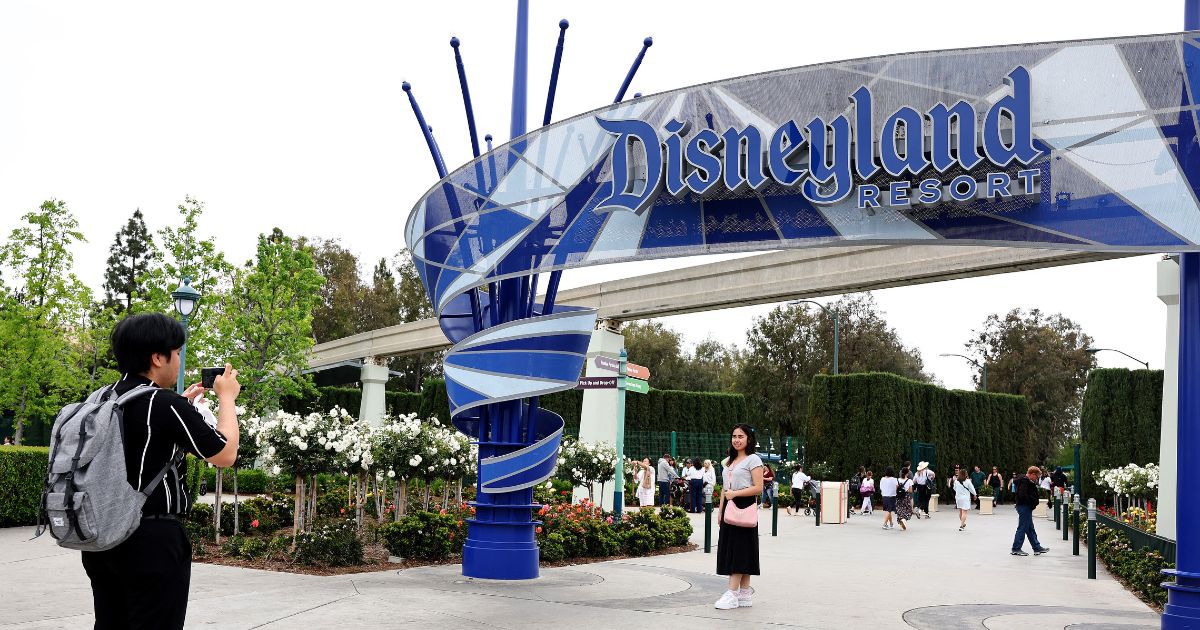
274	470
302	446
391	474
271	450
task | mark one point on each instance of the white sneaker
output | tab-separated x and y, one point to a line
728	601
744	597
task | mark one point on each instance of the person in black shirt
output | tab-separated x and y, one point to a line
1026	501
143	582
1058	478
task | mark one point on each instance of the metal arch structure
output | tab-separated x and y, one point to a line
1079	146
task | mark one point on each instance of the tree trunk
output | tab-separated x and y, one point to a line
236	515
458	492
445	494
312	503
396	502
425	495
217	503
360	499
296	514
19	428
379	496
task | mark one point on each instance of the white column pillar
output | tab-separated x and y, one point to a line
1168	292
373	378
598	422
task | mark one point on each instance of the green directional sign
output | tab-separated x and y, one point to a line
636	385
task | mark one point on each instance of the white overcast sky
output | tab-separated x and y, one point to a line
290	114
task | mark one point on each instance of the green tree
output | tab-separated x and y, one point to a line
337	314
40	317
1041	357
403	295
129	260
782	355
267	321
187	254
710	367
866	342
659	348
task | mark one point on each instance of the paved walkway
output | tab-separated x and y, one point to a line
835	576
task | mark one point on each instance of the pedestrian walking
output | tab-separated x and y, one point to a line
666	474
799	480
923	480
737	544
904	498
996	481
1044	480
964	491
866	490
1027	500
645	483
855	488
977	478
695	479
1058	478
768	486
887	489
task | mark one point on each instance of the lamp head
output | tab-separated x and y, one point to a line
185	298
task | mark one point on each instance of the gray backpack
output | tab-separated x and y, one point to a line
87	503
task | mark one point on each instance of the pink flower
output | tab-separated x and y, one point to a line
608	520
254	523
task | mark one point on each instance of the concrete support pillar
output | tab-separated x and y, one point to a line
373	377
1168	292
598	422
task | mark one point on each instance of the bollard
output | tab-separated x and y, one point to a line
708	527
1056	505
1066	518
1091	538
1075	541
775	517
817	510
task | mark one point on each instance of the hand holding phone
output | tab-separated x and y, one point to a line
209	375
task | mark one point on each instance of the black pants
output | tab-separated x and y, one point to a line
143	582
924	493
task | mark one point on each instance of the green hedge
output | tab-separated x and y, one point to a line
870	419
22	476
1121	420
249	481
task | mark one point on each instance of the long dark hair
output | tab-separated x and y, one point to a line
751	441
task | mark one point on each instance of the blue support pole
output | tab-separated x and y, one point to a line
558	52
466	94
1183	596
637	63
425	130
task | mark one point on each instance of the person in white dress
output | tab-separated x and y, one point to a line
866	490
710	481
645	483
964	490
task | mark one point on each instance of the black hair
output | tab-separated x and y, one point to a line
751	441
889	472
137	337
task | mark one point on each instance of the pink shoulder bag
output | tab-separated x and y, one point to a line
740	517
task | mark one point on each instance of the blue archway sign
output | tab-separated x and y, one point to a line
1083	145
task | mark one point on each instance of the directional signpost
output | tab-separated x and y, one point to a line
597	382
636	372
637	385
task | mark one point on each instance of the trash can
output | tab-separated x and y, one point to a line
834	501
933	502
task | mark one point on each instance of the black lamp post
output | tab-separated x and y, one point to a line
832	313
186	298
982	366
1095	350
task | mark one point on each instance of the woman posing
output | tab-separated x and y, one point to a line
737	542
964	490
645	483
866	490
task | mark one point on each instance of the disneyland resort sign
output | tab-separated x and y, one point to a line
823	157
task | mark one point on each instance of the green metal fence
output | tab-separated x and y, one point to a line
714	446
1140	539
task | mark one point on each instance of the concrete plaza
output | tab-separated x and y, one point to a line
835	576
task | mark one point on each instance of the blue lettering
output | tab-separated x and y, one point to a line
864	146
1018	109
699	154
868	195
623	195
931	190
913	159
1026	177
674	143
957	194
822	168
784	144
963	116
752	173
898	193
997	185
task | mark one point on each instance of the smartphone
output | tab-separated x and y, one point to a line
208	376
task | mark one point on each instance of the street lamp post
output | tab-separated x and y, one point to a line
185	298
1095	350
982	366
832	313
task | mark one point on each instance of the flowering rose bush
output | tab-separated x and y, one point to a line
289	442
1130	480
586	463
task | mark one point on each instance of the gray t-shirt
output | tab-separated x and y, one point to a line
738	476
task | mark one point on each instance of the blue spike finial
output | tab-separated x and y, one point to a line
563	24
406	86
454	42
648	42
488	137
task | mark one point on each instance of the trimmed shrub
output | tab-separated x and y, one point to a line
22	477
871	418
332	545
1140	569
424	536
249	480
1121	420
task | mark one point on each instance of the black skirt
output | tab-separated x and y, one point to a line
737	547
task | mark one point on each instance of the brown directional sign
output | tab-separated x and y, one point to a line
597	382
631	369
